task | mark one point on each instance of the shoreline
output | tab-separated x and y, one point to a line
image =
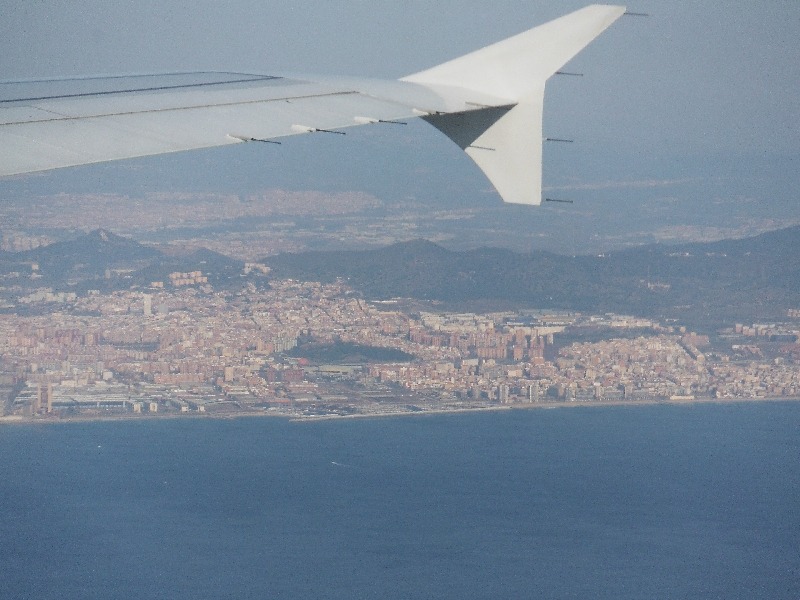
546	406
20	420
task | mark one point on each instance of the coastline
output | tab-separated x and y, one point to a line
545	406
13	420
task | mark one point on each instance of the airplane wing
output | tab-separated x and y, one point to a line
489	102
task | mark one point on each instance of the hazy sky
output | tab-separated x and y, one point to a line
696	73
695	79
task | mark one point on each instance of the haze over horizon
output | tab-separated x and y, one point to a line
687	123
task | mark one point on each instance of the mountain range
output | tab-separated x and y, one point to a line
103	260
703	284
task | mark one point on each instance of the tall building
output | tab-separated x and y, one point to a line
147	301
533	392
503	393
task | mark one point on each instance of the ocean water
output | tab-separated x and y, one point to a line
616	502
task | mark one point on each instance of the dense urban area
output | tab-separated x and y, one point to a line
305	349
105	327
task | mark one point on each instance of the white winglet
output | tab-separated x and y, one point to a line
517	69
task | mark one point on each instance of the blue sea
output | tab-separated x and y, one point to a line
698	501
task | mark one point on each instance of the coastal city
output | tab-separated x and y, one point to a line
225	335
312	350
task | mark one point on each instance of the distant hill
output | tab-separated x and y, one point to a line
102	260
87	258
702	284
89	254
219	268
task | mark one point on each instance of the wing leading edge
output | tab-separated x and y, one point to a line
489	102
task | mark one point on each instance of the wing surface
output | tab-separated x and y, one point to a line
60	123
489	102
